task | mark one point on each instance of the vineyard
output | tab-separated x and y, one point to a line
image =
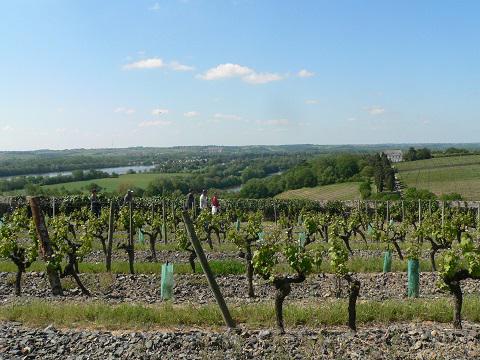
278	265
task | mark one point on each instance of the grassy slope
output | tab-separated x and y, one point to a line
460	174
343	191
112	184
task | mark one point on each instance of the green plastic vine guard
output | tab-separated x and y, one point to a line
387	261
369	230
413	278
300	219
141	236
261	236
237	225
302	239
166	286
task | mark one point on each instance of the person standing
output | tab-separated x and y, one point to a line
189	201
128	197
94	203
203	200
215	204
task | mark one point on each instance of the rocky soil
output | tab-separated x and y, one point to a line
182	256
194	287
398	341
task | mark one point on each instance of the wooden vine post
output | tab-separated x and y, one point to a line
173	219
131	245
208	272
111	219
45	248
164	219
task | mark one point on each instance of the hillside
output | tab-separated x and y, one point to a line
459	174
343	191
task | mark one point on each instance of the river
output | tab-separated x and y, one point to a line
121	170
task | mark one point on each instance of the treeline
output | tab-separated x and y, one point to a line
417	154
322	170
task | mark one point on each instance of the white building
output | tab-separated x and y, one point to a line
394	155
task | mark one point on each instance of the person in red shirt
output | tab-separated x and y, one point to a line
215	204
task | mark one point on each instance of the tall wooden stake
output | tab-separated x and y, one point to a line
131	245
108	256
45	247
388	211
208	272
164	219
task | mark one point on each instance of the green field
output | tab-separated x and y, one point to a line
459	174
343	191
113	184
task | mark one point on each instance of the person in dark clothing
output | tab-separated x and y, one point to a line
128	197
189	200
95	204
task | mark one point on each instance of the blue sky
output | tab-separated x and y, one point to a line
90	73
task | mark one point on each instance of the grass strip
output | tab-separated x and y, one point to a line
326	313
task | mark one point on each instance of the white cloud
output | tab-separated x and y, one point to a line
191	114
375	110
352	119
221	116
175	65
262	78
158	112
7	128
225	71
155	7
275	122
124	110
311	102
152	63
153	123
157	63
305	73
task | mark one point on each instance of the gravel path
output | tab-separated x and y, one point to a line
194	287
398	341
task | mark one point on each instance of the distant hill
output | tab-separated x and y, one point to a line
343	191
459	174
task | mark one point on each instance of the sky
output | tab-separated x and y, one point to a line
120	73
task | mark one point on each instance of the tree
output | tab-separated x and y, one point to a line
129	220
460	263
12	245
65	242
153	228
338	255
365	189
245	238
410	155
299	259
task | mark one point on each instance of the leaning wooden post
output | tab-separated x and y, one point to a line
108	255
208	272
53	207
45	247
